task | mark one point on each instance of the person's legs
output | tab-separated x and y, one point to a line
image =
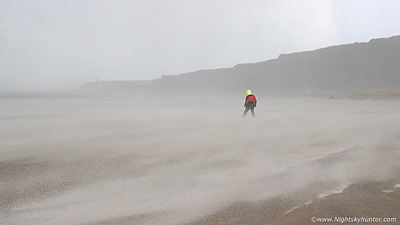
252	111
245	111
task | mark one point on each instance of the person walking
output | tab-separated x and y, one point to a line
250	103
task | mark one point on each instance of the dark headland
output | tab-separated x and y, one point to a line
358	68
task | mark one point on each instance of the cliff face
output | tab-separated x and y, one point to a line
351	67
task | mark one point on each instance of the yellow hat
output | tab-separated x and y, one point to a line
249	92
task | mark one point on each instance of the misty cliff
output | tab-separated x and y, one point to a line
350	67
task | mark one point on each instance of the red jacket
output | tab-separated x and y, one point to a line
250	98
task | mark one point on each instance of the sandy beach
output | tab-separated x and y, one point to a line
366	201
192	160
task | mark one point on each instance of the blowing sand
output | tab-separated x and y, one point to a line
187	160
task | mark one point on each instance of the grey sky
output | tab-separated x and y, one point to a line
47	44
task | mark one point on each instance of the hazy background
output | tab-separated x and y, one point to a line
57	45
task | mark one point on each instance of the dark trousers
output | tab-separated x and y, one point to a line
249	106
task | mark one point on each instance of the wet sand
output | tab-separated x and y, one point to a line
116	160
365	199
